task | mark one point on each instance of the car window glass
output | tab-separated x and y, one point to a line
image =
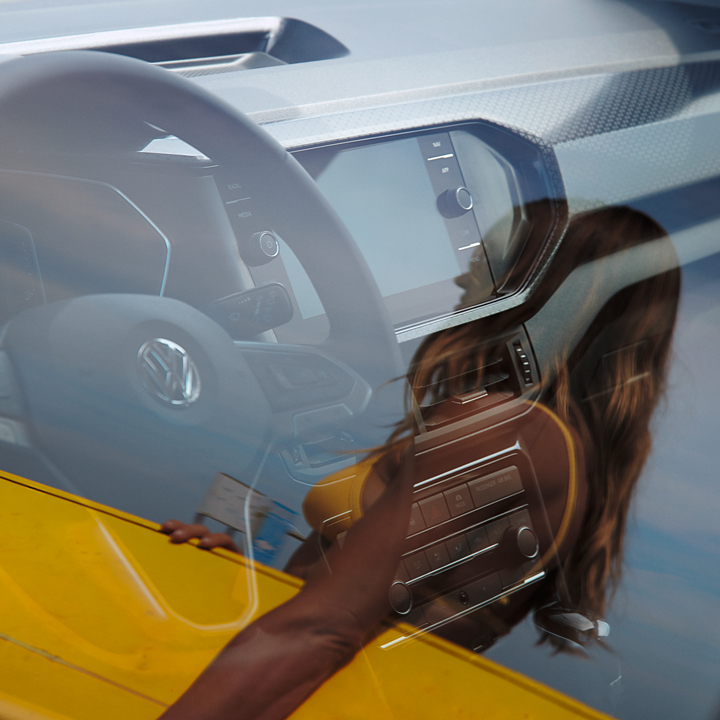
481	408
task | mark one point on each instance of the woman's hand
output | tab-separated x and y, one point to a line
181	532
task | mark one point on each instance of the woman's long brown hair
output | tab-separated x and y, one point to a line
611	407
609	402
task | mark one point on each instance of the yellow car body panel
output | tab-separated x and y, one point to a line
103	617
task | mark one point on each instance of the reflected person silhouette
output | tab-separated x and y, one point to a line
603	390
583	439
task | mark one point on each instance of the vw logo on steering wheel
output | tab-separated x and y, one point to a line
168	372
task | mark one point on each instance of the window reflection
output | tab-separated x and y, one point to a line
499	494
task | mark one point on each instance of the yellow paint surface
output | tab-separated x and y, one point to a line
100	616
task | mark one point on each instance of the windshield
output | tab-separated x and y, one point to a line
435	349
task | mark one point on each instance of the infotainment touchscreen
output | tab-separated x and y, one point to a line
384	194
412	213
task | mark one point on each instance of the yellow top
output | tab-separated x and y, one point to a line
334	504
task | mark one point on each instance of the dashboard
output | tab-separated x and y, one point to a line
425	209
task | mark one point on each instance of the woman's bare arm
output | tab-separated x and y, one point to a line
273	665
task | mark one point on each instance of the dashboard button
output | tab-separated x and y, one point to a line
434	510
484	589
496	486
437	556
457	548
477	539
417	565
444	173
458	500
520	519
435	144
417	523
496	530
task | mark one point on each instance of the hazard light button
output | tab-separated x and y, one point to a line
434	510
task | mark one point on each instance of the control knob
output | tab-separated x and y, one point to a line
261	248
521	542
455	202
400	598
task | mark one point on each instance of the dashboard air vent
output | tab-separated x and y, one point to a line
203	48
507	371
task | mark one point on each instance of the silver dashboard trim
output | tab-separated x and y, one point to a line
468	466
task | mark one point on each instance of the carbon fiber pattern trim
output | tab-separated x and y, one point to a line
637	98
558	111
535	108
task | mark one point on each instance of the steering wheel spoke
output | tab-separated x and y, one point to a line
307	390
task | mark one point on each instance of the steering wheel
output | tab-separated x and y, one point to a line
126	394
